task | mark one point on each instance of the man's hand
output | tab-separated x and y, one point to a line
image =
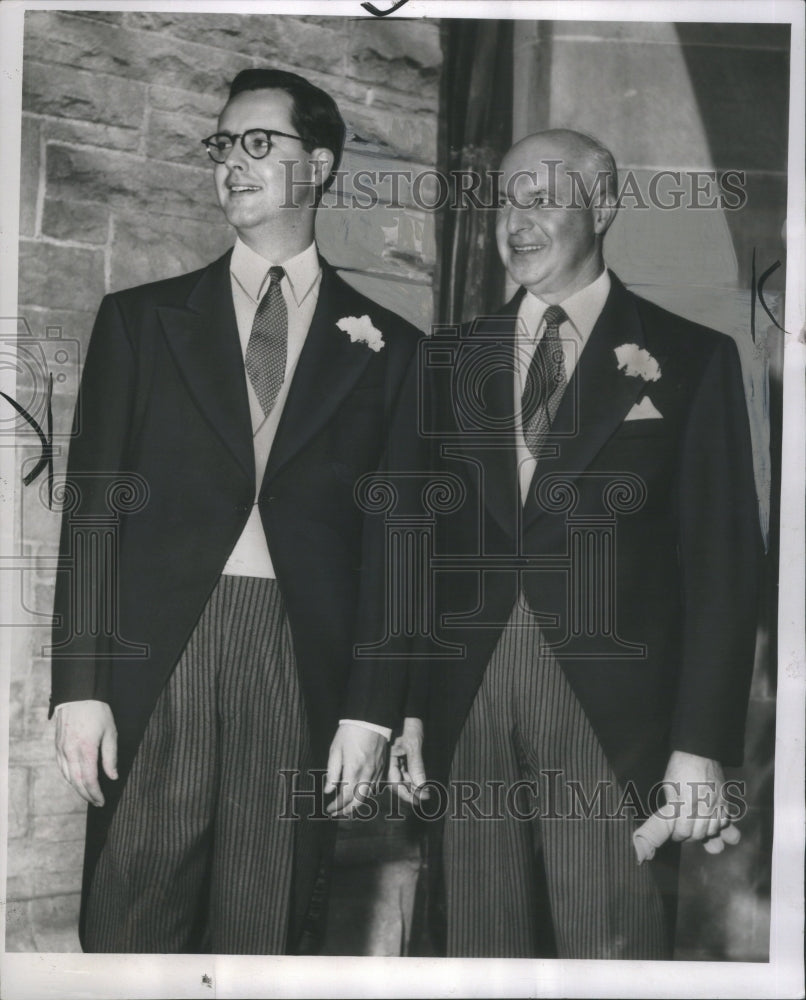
81	728
354	764
696	800
406	768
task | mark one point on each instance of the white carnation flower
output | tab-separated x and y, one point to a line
361	331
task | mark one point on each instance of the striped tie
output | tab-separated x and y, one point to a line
268	344
545	382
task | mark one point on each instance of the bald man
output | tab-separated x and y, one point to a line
606	604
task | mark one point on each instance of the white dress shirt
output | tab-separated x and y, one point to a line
300	287
249	273
583	308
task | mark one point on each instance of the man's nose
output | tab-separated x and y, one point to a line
517	219
237	156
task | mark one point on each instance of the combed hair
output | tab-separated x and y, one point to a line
314	113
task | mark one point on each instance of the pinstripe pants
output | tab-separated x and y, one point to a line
526	725
197	858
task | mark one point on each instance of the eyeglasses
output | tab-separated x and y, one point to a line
256	141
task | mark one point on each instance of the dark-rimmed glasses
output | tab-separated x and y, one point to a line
256	141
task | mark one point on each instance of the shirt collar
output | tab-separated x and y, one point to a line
251	271
583	308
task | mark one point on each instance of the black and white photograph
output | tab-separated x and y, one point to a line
402	428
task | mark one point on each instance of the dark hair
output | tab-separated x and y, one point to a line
314	113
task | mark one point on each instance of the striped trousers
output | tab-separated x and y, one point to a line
526	725
197	857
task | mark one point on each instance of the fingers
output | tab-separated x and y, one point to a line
715	832
655	831
395	774
729	834
82	771
397	755
354	767
337	779
682	829
359	780
700	812
401	790
109	753
688	828
75	759
398	775
88	775
717	822
333	767
353	791
417	776
720	831
82	728
356	761
407	771
699	829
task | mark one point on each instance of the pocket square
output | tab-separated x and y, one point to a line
645	410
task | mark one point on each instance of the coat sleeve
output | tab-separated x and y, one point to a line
86	586
382	684
719	544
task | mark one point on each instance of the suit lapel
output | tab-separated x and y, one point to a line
329	366
203	337
598	397
487	435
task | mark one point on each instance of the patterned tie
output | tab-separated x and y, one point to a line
545	382
268	343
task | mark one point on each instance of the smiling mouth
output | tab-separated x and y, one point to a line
528	248
241	188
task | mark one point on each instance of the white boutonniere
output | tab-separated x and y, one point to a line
635	361
361	331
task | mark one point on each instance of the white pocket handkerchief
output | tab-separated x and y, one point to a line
645	410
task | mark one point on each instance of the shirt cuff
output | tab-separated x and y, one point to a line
381	730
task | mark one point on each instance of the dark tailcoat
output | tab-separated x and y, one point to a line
163	407
638	546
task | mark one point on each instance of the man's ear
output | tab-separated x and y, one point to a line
322	160
603	215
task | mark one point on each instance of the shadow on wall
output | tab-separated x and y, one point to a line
740	78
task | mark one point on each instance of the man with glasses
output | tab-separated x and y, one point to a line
248	397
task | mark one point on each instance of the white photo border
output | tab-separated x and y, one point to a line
57	975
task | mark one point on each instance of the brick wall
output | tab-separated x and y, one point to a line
117	190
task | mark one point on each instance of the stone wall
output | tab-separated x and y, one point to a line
117	190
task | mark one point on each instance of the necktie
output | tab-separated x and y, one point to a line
545	382
268	343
